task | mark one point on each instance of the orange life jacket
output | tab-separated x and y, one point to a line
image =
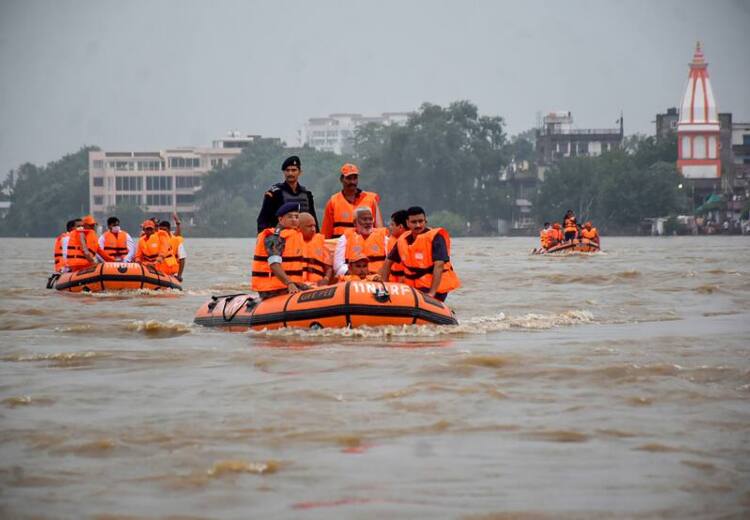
373	247
397	268
175	241
545	237
149	249
292	260
76	260
116	245
569	224
316	257
418	263
58	252
339	213
591	234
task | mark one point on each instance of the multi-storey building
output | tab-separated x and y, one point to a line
160	182
335	133
557	139
666	123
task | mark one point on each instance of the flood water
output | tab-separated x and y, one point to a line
614	385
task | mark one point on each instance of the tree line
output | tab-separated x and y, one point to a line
451	160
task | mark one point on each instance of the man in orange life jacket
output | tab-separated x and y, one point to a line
545	236
590	233
288	191
154	249
339	213
117	243
364	238
317	258
425	254
278	262
177	243
83	246
358	270
569	225
396	228
61	245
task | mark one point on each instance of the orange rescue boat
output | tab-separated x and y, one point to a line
114	276
577	245
345	304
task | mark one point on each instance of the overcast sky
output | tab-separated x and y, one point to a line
145	75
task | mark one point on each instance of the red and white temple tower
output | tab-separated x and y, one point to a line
698	126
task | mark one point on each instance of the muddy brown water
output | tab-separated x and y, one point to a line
614	385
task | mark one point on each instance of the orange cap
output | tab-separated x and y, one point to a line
148	223
89	220
349	169
556	225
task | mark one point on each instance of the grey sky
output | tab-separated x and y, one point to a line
132	75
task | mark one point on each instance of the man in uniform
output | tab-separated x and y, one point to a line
339	213
425	255
288	191
278	262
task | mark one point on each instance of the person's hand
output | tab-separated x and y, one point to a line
293	288
178	277
376	278
176	218
431	294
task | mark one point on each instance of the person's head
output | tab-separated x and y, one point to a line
112	223
398	223
587	225
148	227
416	220
292	169
307	226
349	176
88	222
569	213
164	225
358	265
72	224
363	220
546	225
557	225
288	215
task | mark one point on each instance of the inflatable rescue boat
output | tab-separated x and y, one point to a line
577	245
113	276
346	304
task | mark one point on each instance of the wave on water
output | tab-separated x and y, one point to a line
133	293
59	358
592	279
475	325
160	329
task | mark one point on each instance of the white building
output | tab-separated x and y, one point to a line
335	132
160	182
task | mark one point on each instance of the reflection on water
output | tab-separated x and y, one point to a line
586	386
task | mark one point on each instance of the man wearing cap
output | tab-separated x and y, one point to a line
83	246
278	262
288	191
154	249
339	212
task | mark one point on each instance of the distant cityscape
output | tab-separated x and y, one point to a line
713	157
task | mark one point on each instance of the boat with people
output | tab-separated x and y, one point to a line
576	245
113	276
343	305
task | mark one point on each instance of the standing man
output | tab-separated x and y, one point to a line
396	228
278	262
425	254
339	212
117	243
288	191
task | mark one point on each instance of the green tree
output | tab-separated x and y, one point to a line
43	199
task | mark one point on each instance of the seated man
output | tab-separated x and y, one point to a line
177	245
116	242
154	249
590	233
364	238
278	266
358	270
425	254
316	257
83	246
